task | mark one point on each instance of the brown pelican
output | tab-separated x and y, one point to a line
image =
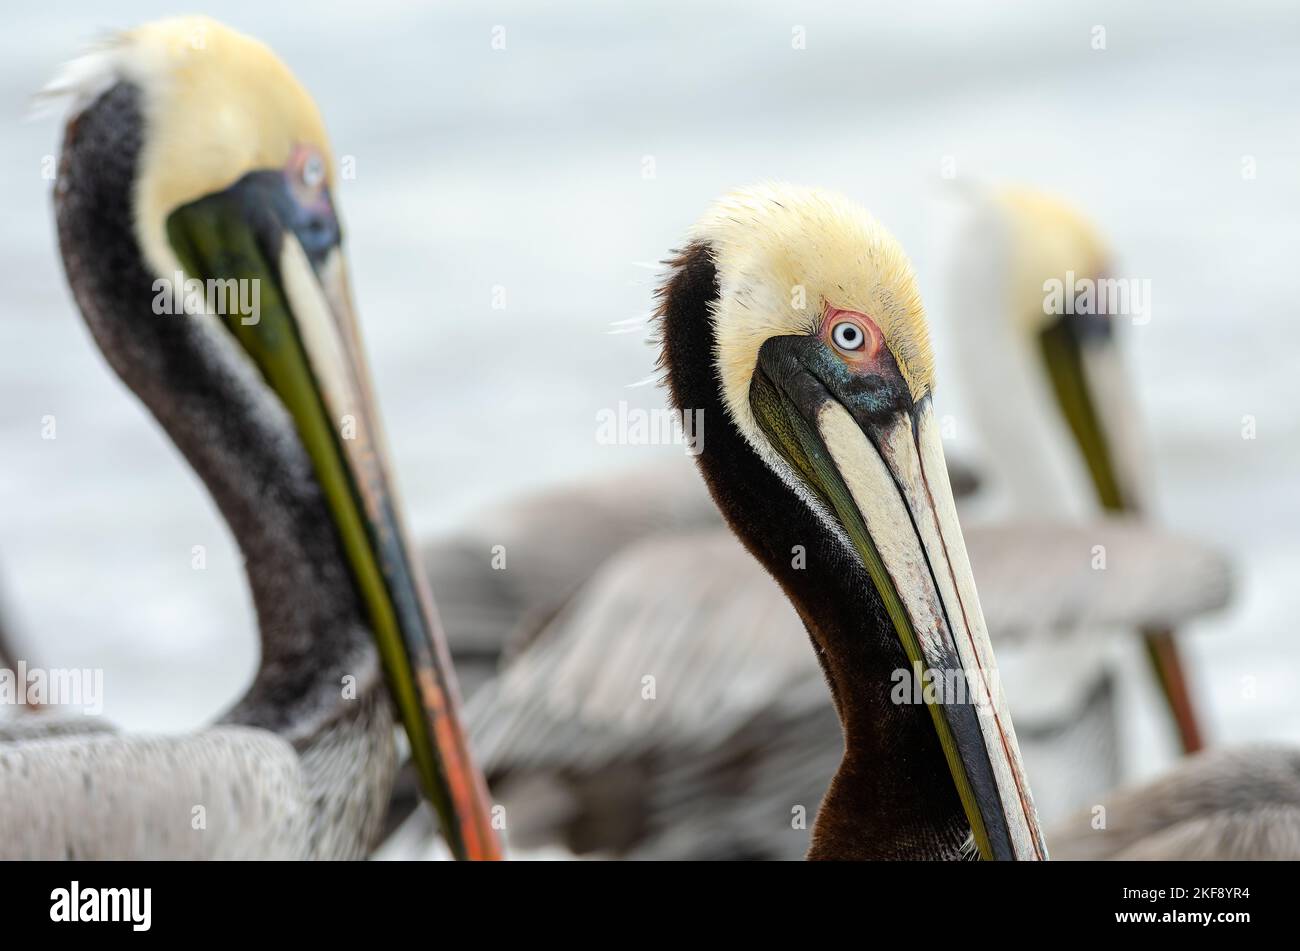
1035	313
192	154
792	321
846	500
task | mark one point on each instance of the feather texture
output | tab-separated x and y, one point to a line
673	709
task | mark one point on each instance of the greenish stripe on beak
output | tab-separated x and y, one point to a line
1064	360
1063	357
785	426
213	239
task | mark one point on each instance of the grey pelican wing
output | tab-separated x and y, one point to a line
1036	577
1222	804
512	566
227	792
47	726
672	653
679	636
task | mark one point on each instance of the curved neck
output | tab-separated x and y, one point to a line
228	424
893	795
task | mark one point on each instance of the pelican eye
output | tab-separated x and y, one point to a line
313	171
848	336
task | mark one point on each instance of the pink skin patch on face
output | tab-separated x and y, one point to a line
307	174
836	331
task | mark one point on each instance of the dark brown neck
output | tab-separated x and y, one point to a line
229	425
893	795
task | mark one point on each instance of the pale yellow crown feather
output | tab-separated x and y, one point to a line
782	252
217	105
1048	238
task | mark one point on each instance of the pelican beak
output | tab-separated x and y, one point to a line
1085	370
1088	380
875	461
305	341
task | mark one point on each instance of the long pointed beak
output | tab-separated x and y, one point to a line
1084	367
881	474
305	341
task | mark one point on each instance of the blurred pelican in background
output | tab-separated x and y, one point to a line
192	149
1037	316
1236	803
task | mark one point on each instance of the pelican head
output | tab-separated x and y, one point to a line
793	318
1073	333
1037	314
197	207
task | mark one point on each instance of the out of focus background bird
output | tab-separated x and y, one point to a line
1040	314
302	765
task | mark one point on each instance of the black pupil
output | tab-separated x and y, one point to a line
849	334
